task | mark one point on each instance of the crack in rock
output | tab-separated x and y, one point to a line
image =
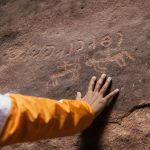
142	105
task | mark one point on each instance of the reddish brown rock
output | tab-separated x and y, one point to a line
52	48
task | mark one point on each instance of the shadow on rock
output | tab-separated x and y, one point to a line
90	139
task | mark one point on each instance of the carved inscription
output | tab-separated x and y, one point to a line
48	51
120	39
66	72
75	47
119	57
70	71
106	41
81	45
112	53
13	53
35	52
92	44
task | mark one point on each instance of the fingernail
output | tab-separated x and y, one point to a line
117	90
94	77
109	78
103	75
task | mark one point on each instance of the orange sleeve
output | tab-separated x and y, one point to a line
33	118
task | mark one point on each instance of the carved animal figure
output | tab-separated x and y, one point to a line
118	58
70	72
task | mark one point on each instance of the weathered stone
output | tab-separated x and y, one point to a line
52	48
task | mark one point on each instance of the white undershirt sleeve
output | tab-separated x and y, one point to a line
5	106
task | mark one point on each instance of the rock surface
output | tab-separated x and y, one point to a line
51	48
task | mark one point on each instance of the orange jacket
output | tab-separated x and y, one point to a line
28	118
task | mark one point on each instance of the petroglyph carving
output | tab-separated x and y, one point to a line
13	53
92	45
70	50
96	64
35	52
48	51
115	55
120	39
77	46
81	45
60	54
106	41
22	55
118	58
67	71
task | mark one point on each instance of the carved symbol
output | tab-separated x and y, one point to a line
63	53
22	55
68	72
96	64
115	55
60	54
118	58
48	52
92	45
13	53
35	52
120	39
70	49
106	41
81	46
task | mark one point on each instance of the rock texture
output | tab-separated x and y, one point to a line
51	48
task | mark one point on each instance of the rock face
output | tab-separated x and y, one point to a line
51	48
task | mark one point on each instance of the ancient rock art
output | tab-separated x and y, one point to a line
106	41
118	58
35	52
67	71
81	47
13	53
120	39
80	44
48	51
116	55
76	47
96	64
115	36
92	45
60	54
69	50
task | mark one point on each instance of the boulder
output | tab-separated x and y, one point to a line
52	48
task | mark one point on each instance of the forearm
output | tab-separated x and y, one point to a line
32	118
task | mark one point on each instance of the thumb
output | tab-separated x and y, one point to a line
79	95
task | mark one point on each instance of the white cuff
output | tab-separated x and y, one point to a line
5	106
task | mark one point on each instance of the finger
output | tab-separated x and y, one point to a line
100	82
111	95
79	95
92	84
105	86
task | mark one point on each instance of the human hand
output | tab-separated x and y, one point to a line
96	94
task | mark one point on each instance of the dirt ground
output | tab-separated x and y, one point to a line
51	48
